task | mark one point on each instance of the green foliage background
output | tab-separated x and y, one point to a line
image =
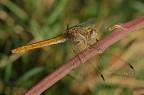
24	21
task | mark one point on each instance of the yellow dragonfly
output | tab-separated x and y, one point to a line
81	33
76	33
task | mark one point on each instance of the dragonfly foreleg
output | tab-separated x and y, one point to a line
74	50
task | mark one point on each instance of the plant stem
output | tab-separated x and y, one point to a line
95	49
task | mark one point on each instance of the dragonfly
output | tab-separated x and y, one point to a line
81	33
76	33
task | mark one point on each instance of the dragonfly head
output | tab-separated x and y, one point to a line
92	33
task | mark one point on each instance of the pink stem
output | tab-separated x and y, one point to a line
97	48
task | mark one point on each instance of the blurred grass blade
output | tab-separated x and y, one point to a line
58	10
138	6
8	72
15	9
29	74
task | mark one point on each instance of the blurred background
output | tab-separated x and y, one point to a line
27	21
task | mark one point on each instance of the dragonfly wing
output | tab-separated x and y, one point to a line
87	23
89	68
87	77
118	66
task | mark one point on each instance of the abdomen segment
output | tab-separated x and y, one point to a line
48	42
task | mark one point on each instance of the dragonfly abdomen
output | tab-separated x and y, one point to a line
56	40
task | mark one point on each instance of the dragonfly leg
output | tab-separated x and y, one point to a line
80	47
74	50
78	55
87	44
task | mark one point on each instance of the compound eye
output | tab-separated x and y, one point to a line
94	33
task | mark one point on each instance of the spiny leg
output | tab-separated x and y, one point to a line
76	51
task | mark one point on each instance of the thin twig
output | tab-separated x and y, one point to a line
95	49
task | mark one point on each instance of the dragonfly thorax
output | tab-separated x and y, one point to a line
81	34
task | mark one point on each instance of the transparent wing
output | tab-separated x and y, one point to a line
95	70
87	75
86	24
118	66
111	64
114	64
